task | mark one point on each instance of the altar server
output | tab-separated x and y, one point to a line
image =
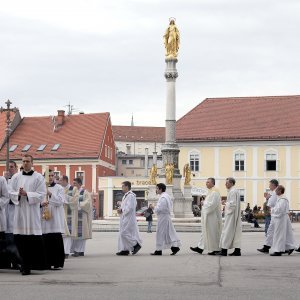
129	236
53	226
28	190
166	236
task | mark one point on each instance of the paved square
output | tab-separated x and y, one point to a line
103	275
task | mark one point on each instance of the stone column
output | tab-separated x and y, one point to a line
170	149
146	162
155	158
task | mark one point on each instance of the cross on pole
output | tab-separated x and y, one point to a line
8	110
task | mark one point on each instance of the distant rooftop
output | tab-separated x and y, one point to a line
242	118
138	134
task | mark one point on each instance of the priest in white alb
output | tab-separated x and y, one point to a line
28	190
211	221
4	199
71	213
271	196
232	230
283	236
166	235
84	218
53	226
129	236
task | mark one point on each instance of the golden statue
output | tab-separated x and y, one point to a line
171	40
153	174
169	169
187	174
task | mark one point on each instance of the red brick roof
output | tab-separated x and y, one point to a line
247	118
138	134
79	137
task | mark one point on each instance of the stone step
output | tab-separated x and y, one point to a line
113	226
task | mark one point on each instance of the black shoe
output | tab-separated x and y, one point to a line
197	249
223	252
289	252
157	252
75	254
212	253
81	253
15	267
124	252
26	272
174	250
298	250
236	252
264	249
136	249
66	256
275	254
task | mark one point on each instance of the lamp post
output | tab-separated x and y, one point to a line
8	110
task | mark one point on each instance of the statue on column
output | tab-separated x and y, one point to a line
187	174
169	170
171	40
153	174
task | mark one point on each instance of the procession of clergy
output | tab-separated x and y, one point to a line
41	223
215	238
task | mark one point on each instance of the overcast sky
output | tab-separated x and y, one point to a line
108	55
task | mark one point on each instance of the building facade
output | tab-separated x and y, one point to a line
74	145
252	139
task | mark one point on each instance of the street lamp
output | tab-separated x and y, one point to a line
8	110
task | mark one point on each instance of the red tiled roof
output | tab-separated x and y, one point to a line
138	134
79	137
246	118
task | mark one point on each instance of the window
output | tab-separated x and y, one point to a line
56	174
41	147
123	161
55	147
80	174
105	150
12	148
271	163
242	194
26	148
194	162
130	161
239	162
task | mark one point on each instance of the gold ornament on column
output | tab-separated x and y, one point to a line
169	169
187	174
172	39
153	174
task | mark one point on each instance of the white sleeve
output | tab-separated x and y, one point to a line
58	197
4	197
232	202
162	206
272	200
40	191
212	203
128	205
280	209
13	190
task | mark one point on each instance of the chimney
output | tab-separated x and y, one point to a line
60	117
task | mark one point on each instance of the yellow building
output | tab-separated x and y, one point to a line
252	139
